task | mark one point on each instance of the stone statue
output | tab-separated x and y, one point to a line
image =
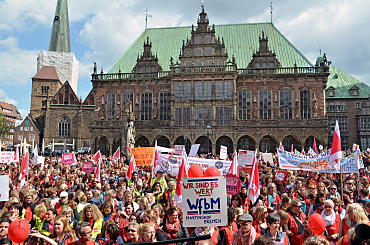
131	135
128	107
95	68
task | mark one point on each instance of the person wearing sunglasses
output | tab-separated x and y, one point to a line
332	220
83	233
259	223
333	192
296	218
246	235
132	231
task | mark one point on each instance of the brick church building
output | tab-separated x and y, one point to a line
244	86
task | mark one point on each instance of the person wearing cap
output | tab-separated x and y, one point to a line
246	235
273	224
63	202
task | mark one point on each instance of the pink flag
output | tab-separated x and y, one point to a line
116	155
234	170
182	174
281	147
314	148
24	170
131	168
254	183
336	149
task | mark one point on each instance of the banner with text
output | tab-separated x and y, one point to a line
167	164
204	201
288	160
4	188
143	155
232	184
68	158
245	160
349	164
6	156
223	152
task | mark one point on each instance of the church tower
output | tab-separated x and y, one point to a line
59	53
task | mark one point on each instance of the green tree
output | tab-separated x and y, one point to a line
5	127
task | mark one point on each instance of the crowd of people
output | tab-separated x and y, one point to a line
65	205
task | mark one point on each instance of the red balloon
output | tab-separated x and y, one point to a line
317	224
211	172
195	171
19	230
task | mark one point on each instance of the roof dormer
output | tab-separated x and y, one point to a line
330	92
355	91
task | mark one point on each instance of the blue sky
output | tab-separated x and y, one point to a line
101	31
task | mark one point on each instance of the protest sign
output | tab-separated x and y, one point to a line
349	165
68	158
167	164
204	201
143	155
288	160
6	156
194	150
282	176
232	184
40	159
267	157
179	149
88	167
245	160
223	152
4	188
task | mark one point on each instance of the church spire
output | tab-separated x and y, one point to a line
59	39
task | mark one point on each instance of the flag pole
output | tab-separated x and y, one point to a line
341	180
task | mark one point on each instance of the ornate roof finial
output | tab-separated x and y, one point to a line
102	70
263	35
146	18
272	10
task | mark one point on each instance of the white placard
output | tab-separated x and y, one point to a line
4	187
204	201
267	157
6	156
179	149
194	150
245	158
40	159
223	152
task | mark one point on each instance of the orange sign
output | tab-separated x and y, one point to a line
143	155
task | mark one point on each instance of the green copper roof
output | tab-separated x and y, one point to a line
343	82
241	40
59	39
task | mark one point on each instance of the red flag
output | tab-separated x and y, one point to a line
281	147
24	170
131	168
155	160
97	157
97	171
254	185
291	149
128	148
116	155
182	174
314	148
234	170
303	153
16	157
336	149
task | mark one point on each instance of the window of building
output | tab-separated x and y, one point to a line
182	117
198	63
218	62
26	129
344	141
198	52
363	123
208	63
64	127
265	145
111	106
331	106
182	91
164	106
364	143
31	128
20	137
331	93
265	106
223	116
197	40
223	90
244	105
130	96
343	126
32	137
202	115
305	104
355	92
21	128
207	39
187	63
344	106
146	106
286	108
358	106
203	90
208	51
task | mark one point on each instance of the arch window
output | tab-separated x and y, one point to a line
64	127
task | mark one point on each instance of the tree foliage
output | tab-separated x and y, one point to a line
5	127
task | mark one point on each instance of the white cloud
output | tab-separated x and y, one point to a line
17	65
5	98
24	112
